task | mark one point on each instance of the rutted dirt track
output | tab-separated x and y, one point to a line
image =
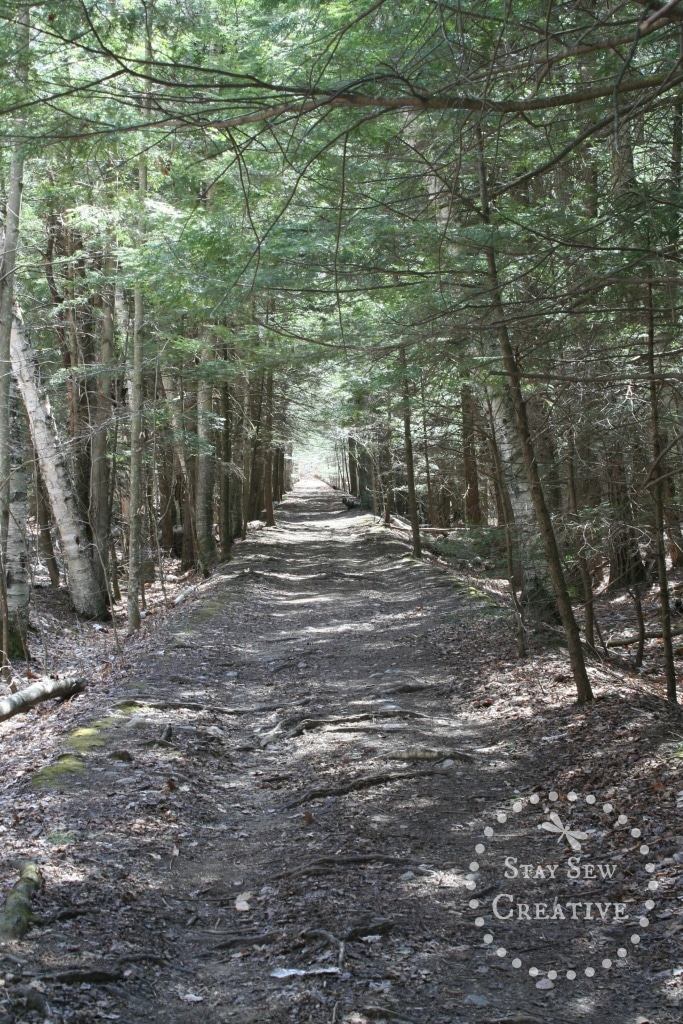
295	779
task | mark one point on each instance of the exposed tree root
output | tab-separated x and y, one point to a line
367	926
16	918
386	1014
46	689
332	940
364	782
292	727
262	939
88	976
193	705
425	754
321	864
317	723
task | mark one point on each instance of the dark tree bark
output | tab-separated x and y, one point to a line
268	442
473	516
410	467
658	498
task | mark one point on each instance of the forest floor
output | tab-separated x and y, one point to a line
304	794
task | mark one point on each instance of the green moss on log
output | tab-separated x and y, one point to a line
17	916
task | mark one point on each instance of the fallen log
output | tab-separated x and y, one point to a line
16	918
46	689
633	638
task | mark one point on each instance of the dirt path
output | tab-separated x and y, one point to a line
304	785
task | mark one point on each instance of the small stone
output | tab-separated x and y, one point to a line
121	755
545	983
474	999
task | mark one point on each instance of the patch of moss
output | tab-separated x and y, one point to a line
62	836
206	611
85	739
58	773
127	707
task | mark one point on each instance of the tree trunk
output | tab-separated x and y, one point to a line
473	516
255	494
586	581
410	467
246	455
185	491
136	500
45	546
100	511
167	516
206	467
532	496
625	565
87	596
225	523
431	504
9	258
658	497
268	468
353	466
137	505
16	557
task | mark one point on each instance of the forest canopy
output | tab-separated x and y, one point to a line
446	236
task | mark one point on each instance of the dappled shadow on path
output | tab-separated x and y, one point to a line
235	823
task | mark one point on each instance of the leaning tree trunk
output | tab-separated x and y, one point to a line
87	596
515	440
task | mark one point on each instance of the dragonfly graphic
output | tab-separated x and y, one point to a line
564	832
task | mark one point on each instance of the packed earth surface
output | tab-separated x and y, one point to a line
326	789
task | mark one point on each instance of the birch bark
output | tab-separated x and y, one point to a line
87	596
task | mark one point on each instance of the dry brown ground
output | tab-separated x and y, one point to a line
259	811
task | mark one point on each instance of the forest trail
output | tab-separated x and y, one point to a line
278	820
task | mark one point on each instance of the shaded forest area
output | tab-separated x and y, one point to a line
429	252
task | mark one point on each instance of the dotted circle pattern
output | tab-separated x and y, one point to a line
620	820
